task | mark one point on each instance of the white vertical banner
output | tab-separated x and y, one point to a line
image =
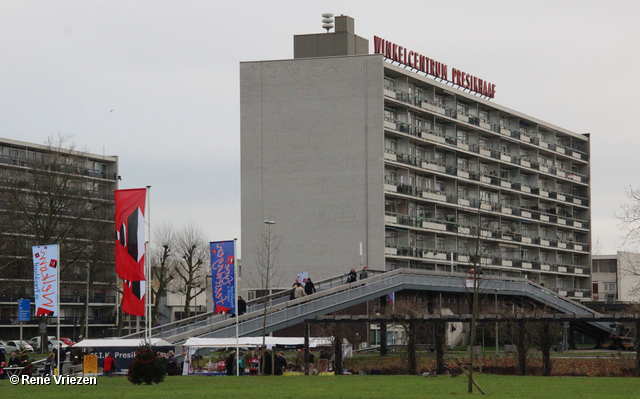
302	278
45	279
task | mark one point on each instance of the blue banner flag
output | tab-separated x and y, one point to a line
223	276
24	309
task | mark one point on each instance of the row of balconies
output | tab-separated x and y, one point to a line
489	152
437	167
451	226
439	109
24	162
487	260
549	215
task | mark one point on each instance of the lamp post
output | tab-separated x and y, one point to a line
269	224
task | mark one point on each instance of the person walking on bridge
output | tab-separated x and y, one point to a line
352	276
298	291
309	288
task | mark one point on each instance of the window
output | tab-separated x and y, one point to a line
463	219
524	254
463	163
389	115
484	143
439	100
428	184
440	244
484	116
461	135
390	145
389	83
503	122
439	129
609	287
462	108
391	177
462	192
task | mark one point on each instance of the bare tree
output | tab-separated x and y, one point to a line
163	264
476	251
192	264
407	311
50	201
267	274
629	218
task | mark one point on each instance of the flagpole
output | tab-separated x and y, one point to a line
58	310
148	269
235	291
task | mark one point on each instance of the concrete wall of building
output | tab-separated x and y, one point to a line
312	161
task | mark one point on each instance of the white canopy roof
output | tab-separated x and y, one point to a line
255	341
119	342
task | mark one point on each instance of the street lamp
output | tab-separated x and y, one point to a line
269	223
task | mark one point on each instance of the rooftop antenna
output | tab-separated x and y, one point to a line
327	21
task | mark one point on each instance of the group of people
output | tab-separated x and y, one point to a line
170	362
298	290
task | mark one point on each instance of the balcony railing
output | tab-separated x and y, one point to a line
451	225
474	120
531	212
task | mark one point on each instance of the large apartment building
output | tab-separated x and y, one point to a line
410	160
51	194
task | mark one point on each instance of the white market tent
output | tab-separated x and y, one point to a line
254	341
119	343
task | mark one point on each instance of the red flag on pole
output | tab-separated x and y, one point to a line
130	242
133	299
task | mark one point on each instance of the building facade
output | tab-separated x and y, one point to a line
347	150
54	194
616	278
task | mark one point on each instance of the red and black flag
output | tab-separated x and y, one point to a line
130	242
133	299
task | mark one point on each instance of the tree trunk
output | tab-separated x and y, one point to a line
411	348
441	331
637	341
521	347
337	348
545	348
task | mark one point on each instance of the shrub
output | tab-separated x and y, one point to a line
146	367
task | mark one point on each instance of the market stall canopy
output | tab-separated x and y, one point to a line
256	341
120	343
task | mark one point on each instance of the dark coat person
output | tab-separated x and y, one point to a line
242	306
280	364
14	361
309	288
352	276
266	358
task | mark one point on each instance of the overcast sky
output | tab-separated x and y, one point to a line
169	71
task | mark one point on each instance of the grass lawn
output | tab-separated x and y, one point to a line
351	387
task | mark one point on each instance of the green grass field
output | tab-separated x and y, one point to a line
351	387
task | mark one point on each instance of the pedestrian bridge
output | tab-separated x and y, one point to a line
334	295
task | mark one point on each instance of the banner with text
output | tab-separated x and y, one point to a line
45	279
223	276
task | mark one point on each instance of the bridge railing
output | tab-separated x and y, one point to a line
279	297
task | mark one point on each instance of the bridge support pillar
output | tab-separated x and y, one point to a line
306	348
572	335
